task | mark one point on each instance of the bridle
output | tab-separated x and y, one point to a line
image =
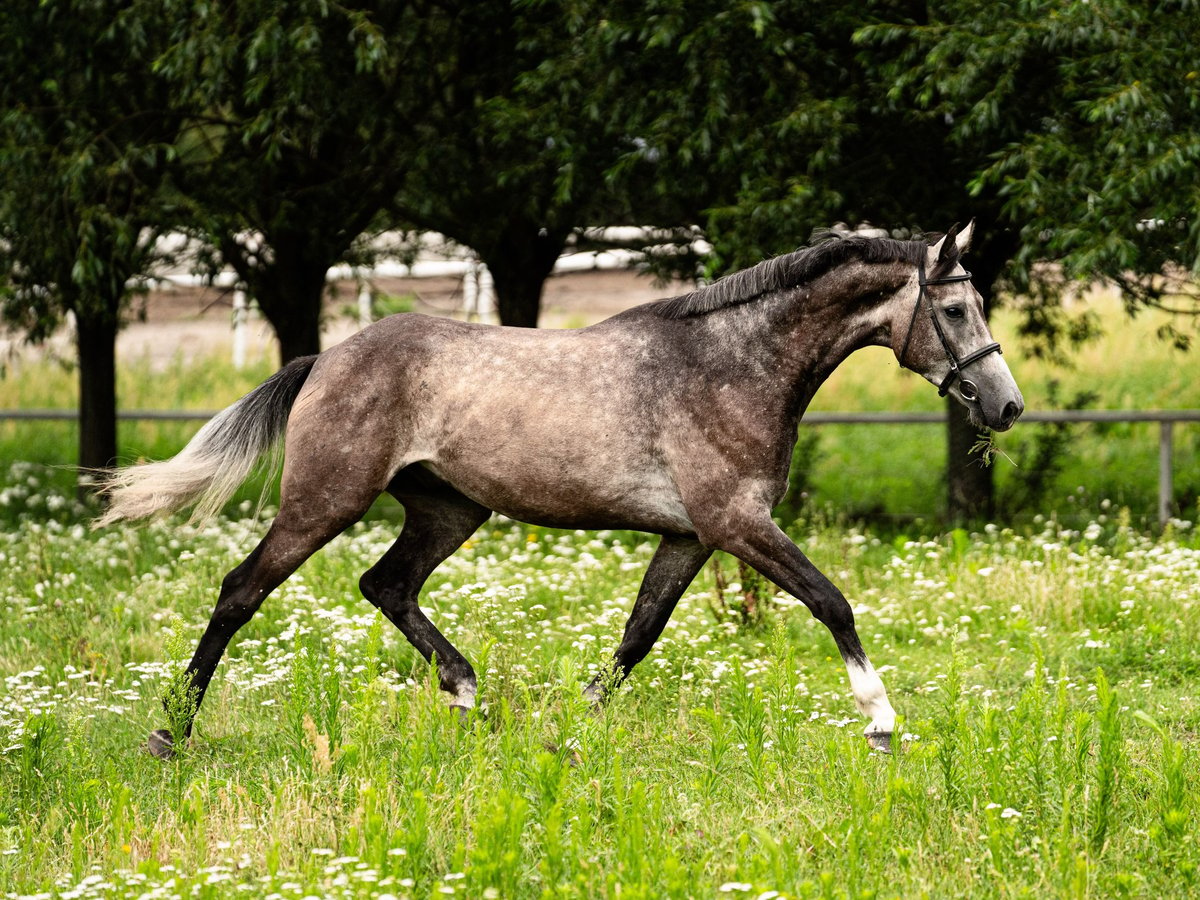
967	388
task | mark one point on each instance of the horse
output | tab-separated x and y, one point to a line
677	417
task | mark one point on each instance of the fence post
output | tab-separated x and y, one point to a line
366	314
487	295
470	289
240	314
1166	486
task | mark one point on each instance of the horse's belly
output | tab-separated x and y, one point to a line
564	496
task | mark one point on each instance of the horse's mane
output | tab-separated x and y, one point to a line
790	270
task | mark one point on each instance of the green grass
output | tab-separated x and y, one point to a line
205	383
1046	679
1046	676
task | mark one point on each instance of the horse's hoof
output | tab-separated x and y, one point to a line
161	744
467	715
573	758
879	740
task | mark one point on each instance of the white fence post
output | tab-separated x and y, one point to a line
486	301
470	290
240	315
479	292
365	313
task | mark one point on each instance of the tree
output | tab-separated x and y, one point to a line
1075	129
524	149
508	127
795	127
87	142
574	114
305	116
905	113
1103	181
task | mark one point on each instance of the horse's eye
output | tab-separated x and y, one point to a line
954	312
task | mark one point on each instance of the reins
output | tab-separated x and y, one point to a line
967	388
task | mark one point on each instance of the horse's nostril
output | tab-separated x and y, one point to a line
1010	413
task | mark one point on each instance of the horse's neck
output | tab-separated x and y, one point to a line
805	333
784	347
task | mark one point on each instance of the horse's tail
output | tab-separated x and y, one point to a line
216	461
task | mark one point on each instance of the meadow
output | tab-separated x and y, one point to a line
1046	682
1046	674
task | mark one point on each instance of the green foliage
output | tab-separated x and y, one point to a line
951	725
303	118
180	696
1089	117
86	143
550	126
1109	763
742	110
37	757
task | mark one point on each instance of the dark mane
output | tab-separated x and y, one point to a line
790	270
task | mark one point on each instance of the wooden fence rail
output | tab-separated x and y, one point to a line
1166	419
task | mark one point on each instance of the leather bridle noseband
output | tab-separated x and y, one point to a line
966	388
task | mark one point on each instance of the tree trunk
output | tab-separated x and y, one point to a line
298	324
96	341
520	262
970	487
289	292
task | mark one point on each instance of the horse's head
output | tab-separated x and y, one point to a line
944	337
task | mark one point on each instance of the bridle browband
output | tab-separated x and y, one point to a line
967	388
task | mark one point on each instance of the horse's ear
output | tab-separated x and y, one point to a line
948	247
943	255
963	239
938	250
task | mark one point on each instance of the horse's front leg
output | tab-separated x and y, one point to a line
758	541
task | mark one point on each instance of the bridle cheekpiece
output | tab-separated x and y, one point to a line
966	388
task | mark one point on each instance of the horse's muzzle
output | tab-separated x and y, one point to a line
1007	415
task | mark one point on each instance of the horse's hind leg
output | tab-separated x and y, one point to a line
294	536
676	562
434	527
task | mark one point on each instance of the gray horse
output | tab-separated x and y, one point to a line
677	417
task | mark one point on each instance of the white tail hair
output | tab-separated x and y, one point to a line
216	461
